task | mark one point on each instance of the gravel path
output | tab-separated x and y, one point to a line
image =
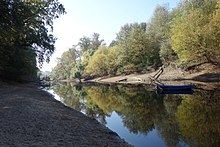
31	117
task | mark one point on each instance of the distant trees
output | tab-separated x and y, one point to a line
25	33
79	59
187	36
86	43
65	64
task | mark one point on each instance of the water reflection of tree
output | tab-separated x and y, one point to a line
137	107
143	111
167	125
71	96
75	96
140	109
193	119
199	117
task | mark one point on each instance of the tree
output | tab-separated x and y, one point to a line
78	70
76	60
137	50
96	42
212	34
159	26
122	39
190	39
25	27
112	57
158	29
86	56
112	43
97	65
66	64
88	47
84	43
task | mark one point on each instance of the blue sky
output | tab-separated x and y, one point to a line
106	17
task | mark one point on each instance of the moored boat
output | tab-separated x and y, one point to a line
174	87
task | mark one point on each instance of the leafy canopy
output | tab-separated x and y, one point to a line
26	26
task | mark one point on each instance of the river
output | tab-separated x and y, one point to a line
143	118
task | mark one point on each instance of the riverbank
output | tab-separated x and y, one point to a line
203	75
32	117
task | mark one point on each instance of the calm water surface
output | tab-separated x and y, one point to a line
143	118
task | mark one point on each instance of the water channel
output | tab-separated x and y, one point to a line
143	118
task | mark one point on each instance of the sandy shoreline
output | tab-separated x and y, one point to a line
209	76
32	117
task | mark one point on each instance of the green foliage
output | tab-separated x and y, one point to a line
88	47
112	57
139	46
158	30
75	63
78	70
24	31
212	35
66	64
102	62
192	34
84	43
136	50
95	41
167	54
122	39
187	37
98	63
159	25
20	67
86	56
87	43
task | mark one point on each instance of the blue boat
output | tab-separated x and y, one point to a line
164	87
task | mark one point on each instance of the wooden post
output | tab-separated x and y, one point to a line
157	75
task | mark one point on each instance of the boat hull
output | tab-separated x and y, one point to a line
174	87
